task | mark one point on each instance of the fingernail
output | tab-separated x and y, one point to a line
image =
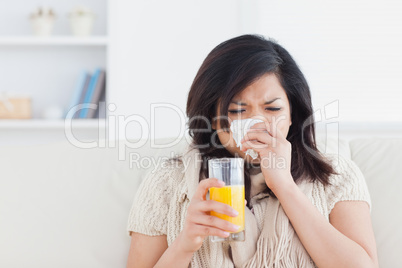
235	213
235	227
226	233
221	183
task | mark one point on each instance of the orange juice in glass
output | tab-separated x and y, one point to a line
231	171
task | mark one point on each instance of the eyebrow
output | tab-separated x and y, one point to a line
245	104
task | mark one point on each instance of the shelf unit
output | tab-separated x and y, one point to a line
50	67
47	68
43	124
53	41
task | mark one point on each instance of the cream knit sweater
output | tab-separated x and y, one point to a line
160	205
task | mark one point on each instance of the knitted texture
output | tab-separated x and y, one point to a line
150	207
349	185
161	202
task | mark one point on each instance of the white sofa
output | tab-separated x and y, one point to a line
65	206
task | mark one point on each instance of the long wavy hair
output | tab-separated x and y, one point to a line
227	70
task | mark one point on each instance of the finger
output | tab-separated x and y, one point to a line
261	136
271	127
211	205
257	130
255	145
212	221
204	185
203	230
262	125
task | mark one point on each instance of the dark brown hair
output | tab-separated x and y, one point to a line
227	70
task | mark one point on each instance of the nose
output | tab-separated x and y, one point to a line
258	116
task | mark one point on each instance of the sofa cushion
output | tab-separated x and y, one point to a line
62	206
333	146
65	206
380	160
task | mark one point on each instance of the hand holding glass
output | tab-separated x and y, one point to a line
231	171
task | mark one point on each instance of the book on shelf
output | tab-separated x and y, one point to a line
97	94
90	89
81	86
101	109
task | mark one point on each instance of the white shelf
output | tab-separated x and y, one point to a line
39	124
53	41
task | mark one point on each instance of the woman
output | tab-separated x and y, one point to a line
294	213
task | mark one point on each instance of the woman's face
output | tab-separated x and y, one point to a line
264	99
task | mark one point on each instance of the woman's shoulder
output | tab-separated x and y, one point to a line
152	200
167	174
345	168
348	184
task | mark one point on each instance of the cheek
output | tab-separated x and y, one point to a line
284	130
225	138
283	126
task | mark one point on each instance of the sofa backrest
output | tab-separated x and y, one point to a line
379	160
64	206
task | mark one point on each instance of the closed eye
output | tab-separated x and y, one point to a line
273	109
236	111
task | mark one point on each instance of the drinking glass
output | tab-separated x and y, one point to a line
231	171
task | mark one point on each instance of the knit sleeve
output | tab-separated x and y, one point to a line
150	207
348	185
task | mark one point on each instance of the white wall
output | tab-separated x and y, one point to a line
348	50
156	50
